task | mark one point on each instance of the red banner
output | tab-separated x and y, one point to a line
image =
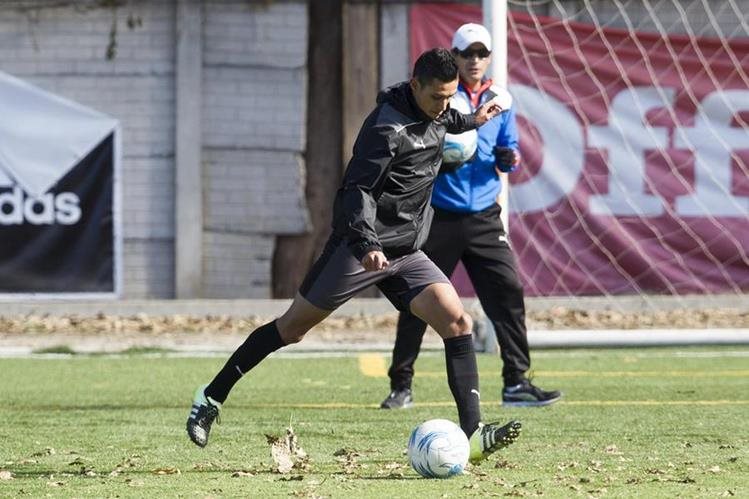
636	155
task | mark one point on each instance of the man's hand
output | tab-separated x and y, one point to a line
502	101
506	159
486	112
374	260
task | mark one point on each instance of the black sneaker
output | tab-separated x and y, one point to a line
398	399
491	437
525	394
201	417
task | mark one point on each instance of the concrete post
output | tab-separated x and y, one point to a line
495	20
188	239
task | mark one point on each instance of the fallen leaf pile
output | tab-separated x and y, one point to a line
286	453
551	318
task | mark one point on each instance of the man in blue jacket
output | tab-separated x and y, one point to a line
467	227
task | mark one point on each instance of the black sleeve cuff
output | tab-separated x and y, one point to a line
360	250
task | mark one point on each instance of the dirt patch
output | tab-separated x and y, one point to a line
114	333
565	318
555	318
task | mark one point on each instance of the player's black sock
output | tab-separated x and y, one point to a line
258	345
463	378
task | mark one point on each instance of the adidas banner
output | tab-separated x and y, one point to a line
58	222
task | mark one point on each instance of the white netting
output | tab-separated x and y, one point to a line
636	144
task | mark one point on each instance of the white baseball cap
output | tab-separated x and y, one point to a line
471	33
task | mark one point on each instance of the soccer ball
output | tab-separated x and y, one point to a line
459	148
438	448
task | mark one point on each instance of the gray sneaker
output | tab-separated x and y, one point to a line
202	414
398	399
526	394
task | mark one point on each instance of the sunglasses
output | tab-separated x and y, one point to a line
482	53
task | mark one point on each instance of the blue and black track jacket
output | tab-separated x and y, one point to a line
384	202
474	186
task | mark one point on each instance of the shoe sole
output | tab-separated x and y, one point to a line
508	434
407	405
193	438
530	403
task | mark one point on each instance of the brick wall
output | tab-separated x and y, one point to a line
64	50
254	108
254	77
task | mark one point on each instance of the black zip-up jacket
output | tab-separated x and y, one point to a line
384	202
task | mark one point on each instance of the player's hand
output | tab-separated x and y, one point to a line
506	159
502	101
374	260
486	112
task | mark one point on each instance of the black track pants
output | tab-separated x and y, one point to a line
480	242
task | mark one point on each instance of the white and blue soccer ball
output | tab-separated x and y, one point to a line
461	147
438	448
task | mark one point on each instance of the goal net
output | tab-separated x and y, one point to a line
635	143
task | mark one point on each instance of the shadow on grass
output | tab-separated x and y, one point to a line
98	407
132	351
98	474
56	349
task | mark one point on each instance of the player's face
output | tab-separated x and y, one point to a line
473	63
434	96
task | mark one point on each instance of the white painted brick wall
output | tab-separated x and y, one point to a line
63	49
66	40
148	195
149	268
254	108
264	34
253	191
237	265
253	122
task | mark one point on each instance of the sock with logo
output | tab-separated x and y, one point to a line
259	344
463	378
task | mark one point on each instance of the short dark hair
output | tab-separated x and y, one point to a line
435	64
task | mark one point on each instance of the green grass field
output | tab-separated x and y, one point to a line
634	423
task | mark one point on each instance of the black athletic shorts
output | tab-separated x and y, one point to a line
337	276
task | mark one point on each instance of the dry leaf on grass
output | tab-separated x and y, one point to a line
503	464
348	459
48	451
6	475
134	483
393	469
286	452
166	471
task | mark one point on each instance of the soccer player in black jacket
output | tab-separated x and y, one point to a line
381	218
